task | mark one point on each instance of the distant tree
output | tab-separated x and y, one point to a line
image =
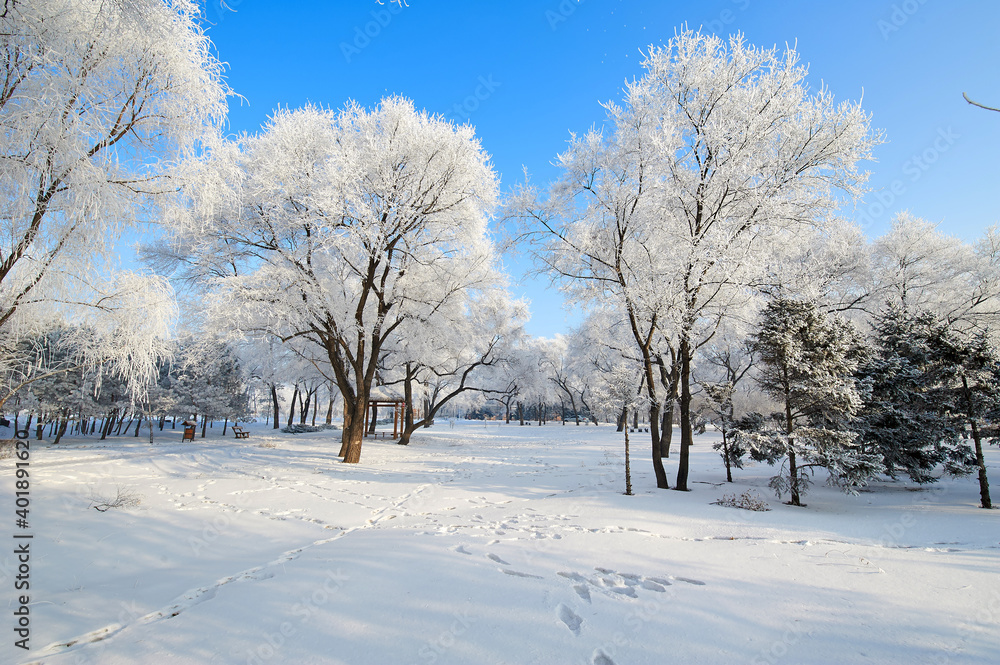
210	382
807	363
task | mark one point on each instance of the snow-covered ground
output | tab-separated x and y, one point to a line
485	544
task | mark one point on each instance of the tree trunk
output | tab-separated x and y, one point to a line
62	427
408	398
204	425
304	406
225	425
628	469
329	408
725	456
984	483
686	434
793	469
354	433
274	404
623	420
138	426
291	407
667	428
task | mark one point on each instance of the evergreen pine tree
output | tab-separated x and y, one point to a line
974	381
908	417
807	363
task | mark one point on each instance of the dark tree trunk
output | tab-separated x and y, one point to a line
274	404
291	407
793	469
686	434
667	429
628	468
984	483
354	433
329	408
62	427
725	456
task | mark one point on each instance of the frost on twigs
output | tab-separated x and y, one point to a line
749	500
123	498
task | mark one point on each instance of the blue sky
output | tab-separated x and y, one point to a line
527	72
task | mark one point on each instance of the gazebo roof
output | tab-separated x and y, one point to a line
385	394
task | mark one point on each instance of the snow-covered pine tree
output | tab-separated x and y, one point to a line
807	363
974	380
907	417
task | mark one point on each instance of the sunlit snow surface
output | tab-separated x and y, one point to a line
486	544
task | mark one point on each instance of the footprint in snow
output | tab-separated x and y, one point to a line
690	581
516	573
601	658
570	618
461	550
582	591
498	559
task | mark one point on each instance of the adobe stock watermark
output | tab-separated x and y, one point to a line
462	111
726	17
562	12
899	16
363	35
218	11
913	169
272	642
434	648
793	634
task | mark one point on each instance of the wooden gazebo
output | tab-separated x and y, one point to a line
381	398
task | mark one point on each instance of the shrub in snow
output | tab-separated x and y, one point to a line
749	500
123	498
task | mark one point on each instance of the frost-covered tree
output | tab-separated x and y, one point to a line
97	99
716	152
620	391
919	268
729	363
335	228
807	363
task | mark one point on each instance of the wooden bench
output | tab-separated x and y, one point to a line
240	432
